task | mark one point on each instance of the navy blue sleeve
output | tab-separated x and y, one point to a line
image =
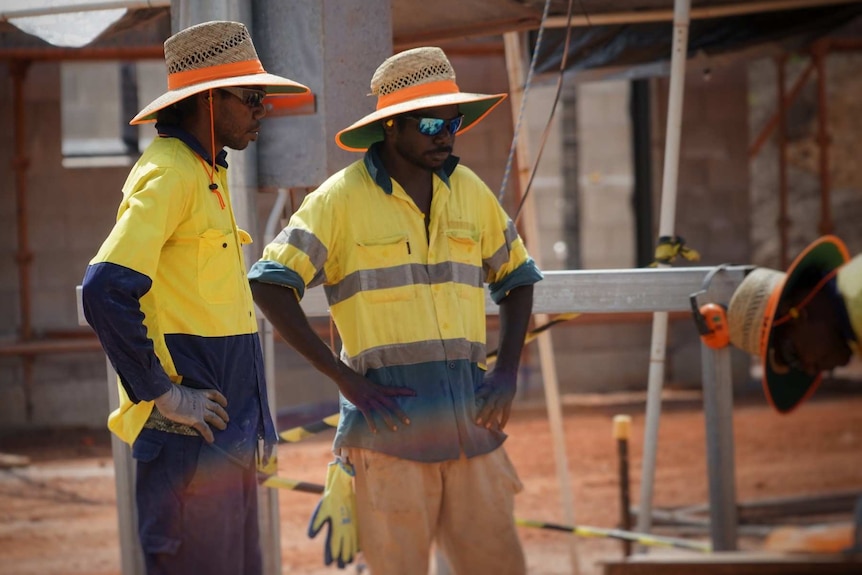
111	298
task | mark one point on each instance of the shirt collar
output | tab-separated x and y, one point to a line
192	142
374	165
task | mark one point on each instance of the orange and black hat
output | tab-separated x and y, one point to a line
413	80
751	317
214	54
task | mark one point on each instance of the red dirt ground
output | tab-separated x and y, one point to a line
58	515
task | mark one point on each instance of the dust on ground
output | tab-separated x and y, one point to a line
58	515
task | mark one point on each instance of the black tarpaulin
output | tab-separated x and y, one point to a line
633	45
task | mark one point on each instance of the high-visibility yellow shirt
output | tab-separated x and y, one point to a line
850	287
409	307
168	296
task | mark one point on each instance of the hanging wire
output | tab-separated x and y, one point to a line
559	89
527	84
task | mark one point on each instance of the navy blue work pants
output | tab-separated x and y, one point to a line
197	511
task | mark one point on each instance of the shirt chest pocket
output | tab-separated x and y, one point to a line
465	261
384	269
218	267
464	247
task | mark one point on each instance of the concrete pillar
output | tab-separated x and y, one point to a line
333	47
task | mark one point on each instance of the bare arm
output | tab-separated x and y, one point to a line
494	397
282	309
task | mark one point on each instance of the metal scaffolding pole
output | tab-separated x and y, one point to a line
666	229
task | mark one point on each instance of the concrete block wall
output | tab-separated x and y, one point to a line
606	182
844	124
844	110
69	213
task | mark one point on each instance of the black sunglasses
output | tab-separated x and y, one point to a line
433	126
251	97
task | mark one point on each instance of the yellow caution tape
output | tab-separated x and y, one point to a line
639	538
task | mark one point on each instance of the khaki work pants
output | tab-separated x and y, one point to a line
466	506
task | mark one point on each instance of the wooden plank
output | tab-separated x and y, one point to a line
736	563
12	461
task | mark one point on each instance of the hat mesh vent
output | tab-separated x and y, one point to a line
429	73
218	51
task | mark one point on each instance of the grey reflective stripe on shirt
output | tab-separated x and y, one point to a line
501	257
306	242
417	352
401	276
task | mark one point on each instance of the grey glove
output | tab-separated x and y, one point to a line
197	408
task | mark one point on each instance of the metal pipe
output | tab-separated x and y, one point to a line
721	470
666	229
268	333
843	44
20	164
75	54
781	143
794	91
42	347
825	227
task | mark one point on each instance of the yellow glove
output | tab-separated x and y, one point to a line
337	507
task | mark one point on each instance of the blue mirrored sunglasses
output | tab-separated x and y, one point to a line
251	97
433	126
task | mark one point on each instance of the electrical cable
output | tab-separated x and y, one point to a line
507	171
559	90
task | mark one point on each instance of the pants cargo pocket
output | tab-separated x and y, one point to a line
162	467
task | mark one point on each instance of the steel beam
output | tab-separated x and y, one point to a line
605	291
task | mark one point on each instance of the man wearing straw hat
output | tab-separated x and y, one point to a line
802	322
403	241
167	295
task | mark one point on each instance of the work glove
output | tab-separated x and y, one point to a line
266	459
337	508
197	408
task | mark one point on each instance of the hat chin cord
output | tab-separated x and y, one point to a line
211	169
795	311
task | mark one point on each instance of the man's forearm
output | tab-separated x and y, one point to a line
281	307
515	311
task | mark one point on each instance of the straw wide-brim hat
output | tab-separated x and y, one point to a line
414	80
213	55
752	312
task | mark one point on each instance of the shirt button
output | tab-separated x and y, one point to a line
451	365
224	245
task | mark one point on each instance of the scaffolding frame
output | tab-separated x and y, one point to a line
567	291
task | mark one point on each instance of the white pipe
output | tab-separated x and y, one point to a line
666	228
269	231
7	15
268	335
